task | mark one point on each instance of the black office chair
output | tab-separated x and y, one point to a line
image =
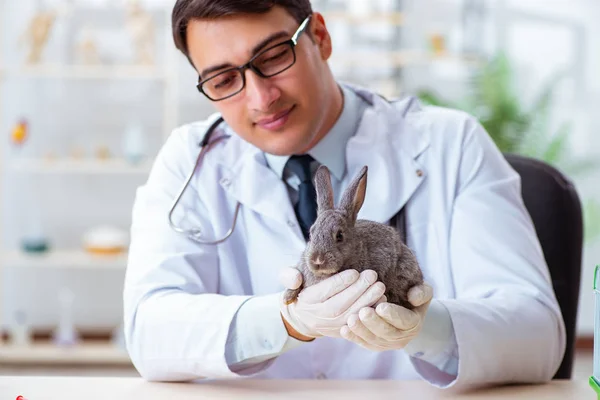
555	209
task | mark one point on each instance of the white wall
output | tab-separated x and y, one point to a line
541	49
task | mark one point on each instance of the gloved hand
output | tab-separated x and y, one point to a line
323	309
389	326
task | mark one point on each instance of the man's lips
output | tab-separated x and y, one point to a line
276	121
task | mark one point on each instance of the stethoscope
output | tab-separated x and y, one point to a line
397	220
196	234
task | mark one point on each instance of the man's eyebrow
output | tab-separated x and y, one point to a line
262	44
268	40
208	70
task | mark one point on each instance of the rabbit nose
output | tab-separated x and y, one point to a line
318	259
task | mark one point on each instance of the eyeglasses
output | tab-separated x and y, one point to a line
269	62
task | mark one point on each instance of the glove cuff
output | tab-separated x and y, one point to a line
294	333
295	328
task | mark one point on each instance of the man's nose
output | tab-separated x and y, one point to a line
261	92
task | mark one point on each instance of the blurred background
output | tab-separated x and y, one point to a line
90	89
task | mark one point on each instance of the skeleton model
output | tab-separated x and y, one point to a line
37	33
141	29
87	50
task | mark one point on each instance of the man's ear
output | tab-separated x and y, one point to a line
321	36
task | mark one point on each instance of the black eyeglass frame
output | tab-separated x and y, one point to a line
292	42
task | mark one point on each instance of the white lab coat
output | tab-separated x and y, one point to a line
466	223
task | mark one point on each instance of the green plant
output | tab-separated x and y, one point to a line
495	101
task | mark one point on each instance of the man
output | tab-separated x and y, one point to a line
195	310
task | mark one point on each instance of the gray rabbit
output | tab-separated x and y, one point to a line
338	241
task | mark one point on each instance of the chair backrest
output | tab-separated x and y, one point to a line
555	209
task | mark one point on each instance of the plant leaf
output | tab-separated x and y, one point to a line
556	149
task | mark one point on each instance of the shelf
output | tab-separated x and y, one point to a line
75	166
397	58
63	259
46	353
393	18
56	71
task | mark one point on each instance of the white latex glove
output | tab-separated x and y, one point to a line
389	326
323	309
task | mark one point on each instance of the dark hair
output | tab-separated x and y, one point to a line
186	10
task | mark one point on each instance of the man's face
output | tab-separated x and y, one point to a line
283	114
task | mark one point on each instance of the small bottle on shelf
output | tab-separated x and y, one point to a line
66	334
21	333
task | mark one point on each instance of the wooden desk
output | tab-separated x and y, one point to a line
84	388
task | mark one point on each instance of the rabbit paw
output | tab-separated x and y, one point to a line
290	295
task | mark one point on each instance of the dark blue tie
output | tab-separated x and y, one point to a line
306	208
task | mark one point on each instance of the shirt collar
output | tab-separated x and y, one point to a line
331	150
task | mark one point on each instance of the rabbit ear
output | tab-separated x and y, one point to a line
323	188
354	196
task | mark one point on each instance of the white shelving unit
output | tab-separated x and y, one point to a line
65	259
393	18
71	166
88	354
398	59
58	71
84	353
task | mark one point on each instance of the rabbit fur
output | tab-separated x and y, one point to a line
339	241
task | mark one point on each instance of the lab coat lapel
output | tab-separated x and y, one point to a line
389	144
251	182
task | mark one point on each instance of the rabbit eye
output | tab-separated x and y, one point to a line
339	236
